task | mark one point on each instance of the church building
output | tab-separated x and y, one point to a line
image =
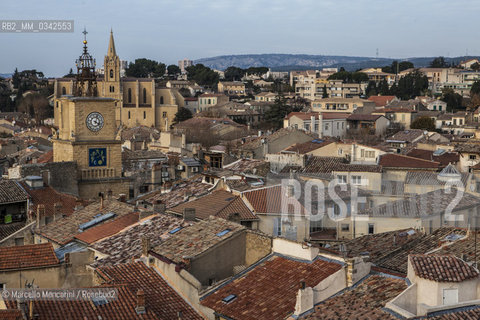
137	101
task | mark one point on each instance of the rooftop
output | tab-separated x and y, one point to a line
331	164
442	268
269	289
28	256
194	240
11	191
160	297
400	161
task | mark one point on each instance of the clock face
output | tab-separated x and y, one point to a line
94	121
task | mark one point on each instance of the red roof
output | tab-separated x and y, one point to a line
28	256
108	229
302	115
48	197
334	115
364	117
444	159
46	157
160	297
267	200
381	101
442	268
269	290
400	161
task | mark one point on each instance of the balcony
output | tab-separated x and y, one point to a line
97	173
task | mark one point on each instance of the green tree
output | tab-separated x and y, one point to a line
454	100
475	66
202	75
475	89
277	112
16	79
259	71
234	74
325	93
349	77
145	68
70	74
424	123
403	65
173	69
383	88
412	85
182	115
371	89
439	62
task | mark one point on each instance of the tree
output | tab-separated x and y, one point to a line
424	123
454	100
70	74
383	88
439	63
371	89
16	79
475	89
259	71
36	106
202	75
349	77
145	68
475	66
234	74
324	94
182	115
185	92
173	69
410	86
277	112
404	65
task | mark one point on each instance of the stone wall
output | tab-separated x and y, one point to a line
258	245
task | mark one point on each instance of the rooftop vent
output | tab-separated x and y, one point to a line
229	298
224	232
99	218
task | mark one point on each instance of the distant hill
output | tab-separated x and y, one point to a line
287	62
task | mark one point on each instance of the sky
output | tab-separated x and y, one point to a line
169	30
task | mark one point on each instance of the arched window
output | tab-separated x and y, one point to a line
111	73
64	91
161	99
144	95
129	95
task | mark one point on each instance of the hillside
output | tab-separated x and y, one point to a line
287	62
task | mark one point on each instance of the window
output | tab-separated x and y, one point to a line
357	180
371	228
209	101
229	298
129	96
161	100
128	114
64	91
19	241
345	227
224	232
144	95
340	152
473	157
3	286
111	73
277	226
342	178
164	114
144	115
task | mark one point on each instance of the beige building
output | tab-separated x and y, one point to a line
345	105
232	88
138	101
207	100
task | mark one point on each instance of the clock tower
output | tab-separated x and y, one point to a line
87	134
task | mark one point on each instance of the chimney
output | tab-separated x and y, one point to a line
320	125
100	194
122	197
312	123
40	215
189	214
302	285
146	246
57	207
159	207
140	302
109	194
46	177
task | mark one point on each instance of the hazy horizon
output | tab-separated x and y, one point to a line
171	30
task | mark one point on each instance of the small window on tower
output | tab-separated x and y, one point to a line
129	95
128	114
144	115
144	95
64	91
111	73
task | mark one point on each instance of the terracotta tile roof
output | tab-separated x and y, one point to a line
123	307
107	229
64	230
306	147
279	134
424	205
269	290
363	301
468	148
127	245
400	161
334	115
160	297
302	115
28	256
381	101
423	178
461	313
11	314
49	197
11	191
181	192
363	117
219	203
249	166
444	159
140	133
10	228
334	164
442	268
194	240
411	135
46	157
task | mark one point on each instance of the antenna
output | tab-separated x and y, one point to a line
377	53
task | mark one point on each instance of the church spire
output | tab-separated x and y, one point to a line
111	46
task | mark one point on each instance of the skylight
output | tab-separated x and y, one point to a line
175	230
229	298
224	232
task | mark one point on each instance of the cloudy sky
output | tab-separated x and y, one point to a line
169	30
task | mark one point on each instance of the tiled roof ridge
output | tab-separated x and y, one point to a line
410	157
